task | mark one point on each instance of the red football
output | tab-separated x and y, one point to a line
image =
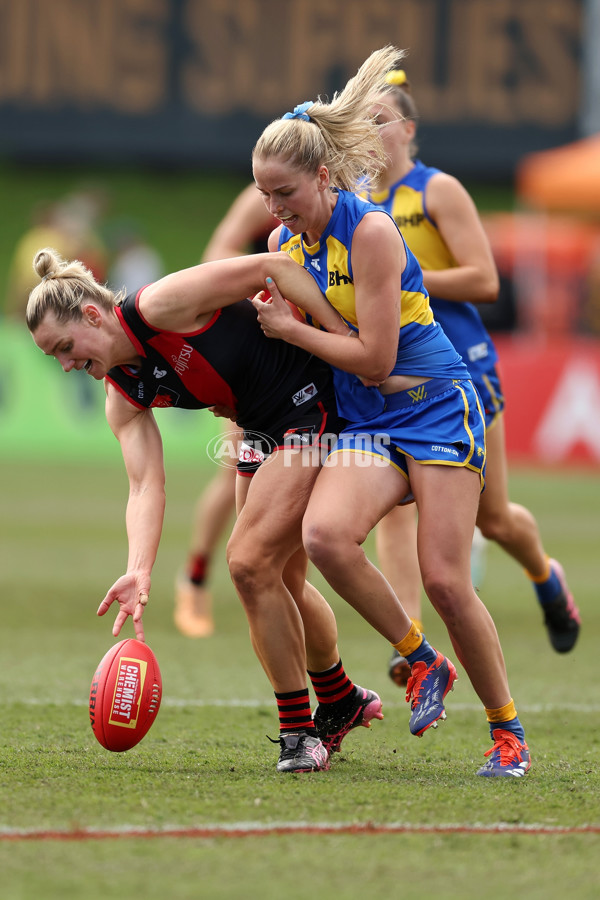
125	695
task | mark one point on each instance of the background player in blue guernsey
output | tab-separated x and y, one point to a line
187	340
419	434
243	229
441	226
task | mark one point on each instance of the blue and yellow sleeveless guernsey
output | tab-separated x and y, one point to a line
423	350
405	202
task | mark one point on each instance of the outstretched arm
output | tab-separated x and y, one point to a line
141	446
176	302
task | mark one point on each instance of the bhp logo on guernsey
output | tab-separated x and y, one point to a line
128	690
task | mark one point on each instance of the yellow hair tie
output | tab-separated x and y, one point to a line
397	76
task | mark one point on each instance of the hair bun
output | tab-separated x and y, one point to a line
46	263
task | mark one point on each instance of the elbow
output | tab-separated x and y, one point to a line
491	289
377	372
379	375
277	263
377	369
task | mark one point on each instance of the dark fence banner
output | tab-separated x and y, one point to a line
193	82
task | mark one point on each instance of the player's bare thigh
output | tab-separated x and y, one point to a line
272	503
447	499
352	493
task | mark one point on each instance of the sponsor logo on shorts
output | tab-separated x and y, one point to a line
226	449
299	436
249	454
435	448
307	393
477	351
128	690
418	393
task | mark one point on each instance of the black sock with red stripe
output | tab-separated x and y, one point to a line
294	712
333	685
198	568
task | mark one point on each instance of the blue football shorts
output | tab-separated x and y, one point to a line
490	390
438	422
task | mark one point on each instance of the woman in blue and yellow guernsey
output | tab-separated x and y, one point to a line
416	427
440	224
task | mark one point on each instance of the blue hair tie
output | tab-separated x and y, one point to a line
300	112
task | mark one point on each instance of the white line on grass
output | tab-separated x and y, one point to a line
237	702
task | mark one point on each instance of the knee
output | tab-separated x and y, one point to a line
494	526
442	591
322	544
246	569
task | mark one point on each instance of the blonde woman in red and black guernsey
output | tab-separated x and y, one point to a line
189	341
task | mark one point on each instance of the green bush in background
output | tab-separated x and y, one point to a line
176	210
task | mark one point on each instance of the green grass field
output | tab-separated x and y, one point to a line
206	763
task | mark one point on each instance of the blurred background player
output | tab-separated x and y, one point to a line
441	226
72	225
244	228
134	261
